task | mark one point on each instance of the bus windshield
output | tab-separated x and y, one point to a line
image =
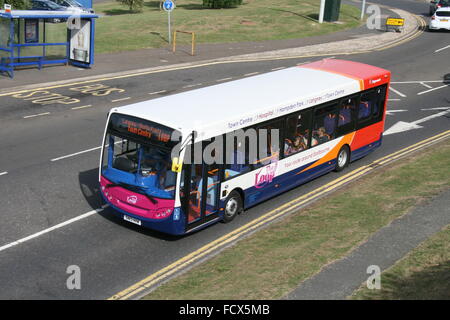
139	164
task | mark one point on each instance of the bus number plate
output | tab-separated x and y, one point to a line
132	220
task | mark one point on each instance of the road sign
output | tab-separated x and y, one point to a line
395	22
168	5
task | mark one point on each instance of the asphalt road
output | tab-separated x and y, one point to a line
49	169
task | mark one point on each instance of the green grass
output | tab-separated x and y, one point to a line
272	262
423	274
255	20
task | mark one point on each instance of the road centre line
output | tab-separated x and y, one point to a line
437	88
37	115
250	74
75	154
279	68
222	242
192	85
55	227
224	79
3	173
122	99
397	92
394	99
82	107
441	49
157	92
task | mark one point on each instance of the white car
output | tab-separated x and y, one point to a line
440	19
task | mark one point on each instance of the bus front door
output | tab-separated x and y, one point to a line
202	205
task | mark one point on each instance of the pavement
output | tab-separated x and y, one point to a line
350	41
340	279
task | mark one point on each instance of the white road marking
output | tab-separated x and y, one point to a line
157	92
3	173
441	49
193	85
437	88
402	126
397	92
250	74
37	115
279	68
391	112
426	85
122	99
75	154
82	107
410	82
438	108
58	226
224	79
394	99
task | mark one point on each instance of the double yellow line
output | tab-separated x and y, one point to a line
198	255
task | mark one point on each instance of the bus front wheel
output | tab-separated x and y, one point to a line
233	206
343	158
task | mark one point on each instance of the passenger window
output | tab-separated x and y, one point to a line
380	100
268	144
346	115
297	133
365	106
325	122
237	157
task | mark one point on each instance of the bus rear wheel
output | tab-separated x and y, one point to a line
233	206
343	159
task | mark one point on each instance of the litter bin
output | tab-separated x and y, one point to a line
331	12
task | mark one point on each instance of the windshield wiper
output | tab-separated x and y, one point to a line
136	189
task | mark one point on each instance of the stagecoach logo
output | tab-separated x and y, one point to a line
265	176
132	199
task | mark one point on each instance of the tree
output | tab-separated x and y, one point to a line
133	5
217	4
16	4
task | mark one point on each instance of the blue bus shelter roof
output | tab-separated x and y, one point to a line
36	14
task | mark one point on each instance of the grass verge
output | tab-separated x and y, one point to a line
423	274
255	20
273	261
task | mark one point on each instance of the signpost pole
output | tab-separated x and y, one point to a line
363	9
322	10
170	34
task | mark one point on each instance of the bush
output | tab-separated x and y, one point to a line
16	4
217	4
133	5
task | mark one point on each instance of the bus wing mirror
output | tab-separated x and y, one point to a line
176	165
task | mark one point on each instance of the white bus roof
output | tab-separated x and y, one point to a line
229	106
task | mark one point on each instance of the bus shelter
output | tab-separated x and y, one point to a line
30	37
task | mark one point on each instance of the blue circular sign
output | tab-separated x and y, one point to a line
168	5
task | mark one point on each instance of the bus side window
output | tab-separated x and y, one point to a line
268	143
380	99
297	133
365	106
325	123
346	115
237	158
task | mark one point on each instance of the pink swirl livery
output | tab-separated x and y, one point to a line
265	175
